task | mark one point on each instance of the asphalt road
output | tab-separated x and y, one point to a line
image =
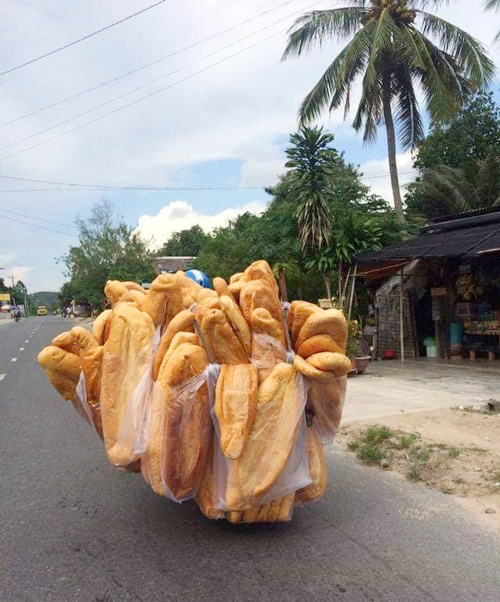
73	528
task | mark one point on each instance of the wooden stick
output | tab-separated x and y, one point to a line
401	318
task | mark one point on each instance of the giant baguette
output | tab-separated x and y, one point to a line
180	435
235	405
298	314
117	292
237	321
100	328
272	436
326	400
127	353
164	298
268	342
259	293
224	345
330	321
317	470
182	322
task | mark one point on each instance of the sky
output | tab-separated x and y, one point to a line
208	122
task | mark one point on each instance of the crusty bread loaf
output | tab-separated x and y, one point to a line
261	270
127	353
204	306
298	314
205	293
180	437
116	292
337	363
272	436
177	341
62	369
138	297
78	340
306	369
235	277
235	289
221	286
330	321
318	344
182	322
133	286
259	293
164	299
224	345
268	342
262	322
237	321
317	470
235	405
92	370
100	328
205	495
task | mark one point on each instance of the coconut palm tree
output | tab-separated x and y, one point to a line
392	48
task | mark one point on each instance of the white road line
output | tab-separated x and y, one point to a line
2	376
14	359
21	348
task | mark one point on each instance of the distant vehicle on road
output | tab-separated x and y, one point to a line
41	310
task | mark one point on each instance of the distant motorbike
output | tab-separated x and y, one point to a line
17	317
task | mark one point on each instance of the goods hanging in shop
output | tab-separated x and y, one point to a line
225	396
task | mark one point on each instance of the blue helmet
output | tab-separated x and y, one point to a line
199	277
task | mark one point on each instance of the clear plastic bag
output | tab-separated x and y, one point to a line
325	400
180	437
133	436
274	463
267	352
92	414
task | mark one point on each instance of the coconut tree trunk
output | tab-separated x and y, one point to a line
391	148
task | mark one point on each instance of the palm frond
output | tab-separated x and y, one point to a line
333	85
382	42
408	118
440	77
318	26
469	53
492	5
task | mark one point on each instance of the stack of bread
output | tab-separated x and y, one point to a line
222	395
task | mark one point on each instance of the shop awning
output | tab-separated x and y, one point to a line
471	236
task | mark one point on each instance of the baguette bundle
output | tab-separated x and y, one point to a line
218	395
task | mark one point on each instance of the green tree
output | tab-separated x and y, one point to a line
446	190
3	288
473	134
186	243
394	56
310	160
107	249
458	161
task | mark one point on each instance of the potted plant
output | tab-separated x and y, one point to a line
357	349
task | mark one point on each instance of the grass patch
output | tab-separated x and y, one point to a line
478	410
453	452
371	454
407	440
377	434
353	445
418	458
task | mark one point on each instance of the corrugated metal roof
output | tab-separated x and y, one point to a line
172	263
459	237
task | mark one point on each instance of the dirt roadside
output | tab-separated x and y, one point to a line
452	450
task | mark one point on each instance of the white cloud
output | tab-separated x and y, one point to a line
179	215
376	175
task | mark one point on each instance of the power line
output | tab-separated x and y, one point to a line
140	99
90	35
142	67
39	219
82	186
12	219
151	82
